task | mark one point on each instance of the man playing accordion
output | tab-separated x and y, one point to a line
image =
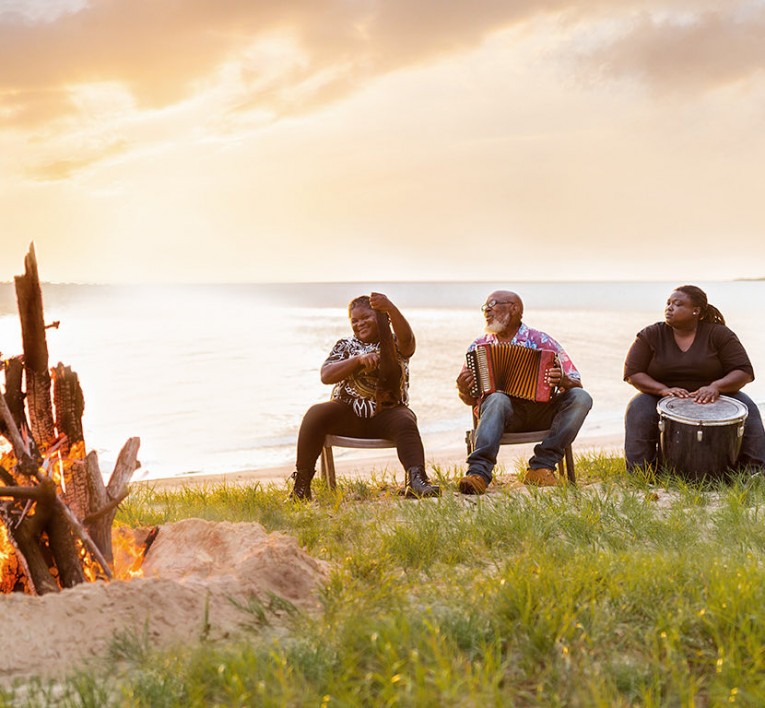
499	411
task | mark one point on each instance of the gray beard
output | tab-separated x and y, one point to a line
499	325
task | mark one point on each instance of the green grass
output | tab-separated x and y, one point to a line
631	591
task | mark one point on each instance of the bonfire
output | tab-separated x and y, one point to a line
56	513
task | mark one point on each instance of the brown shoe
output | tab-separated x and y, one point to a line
473	484
542	477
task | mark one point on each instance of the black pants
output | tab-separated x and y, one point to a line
333	418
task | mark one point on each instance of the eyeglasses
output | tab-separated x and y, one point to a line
493	303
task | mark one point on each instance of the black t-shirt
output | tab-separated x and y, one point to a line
715	352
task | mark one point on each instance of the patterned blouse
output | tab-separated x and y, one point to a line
358	390
534	339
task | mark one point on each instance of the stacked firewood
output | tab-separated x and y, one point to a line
56	513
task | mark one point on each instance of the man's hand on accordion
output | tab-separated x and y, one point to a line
465	382
556	377
559	379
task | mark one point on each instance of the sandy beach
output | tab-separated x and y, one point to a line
379	463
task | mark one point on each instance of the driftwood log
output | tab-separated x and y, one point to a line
56	513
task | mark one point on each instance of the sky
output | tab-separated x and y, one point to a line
325	140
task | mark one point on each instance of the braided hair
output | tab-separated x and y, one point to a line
709	313
360	301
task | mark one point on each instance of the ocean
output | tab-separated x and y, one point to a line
216	378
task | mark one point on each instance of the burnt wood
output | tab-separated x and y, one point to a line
48	530
70	406
38	381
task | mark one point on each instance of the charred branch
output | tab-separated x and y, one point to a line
27	536
14	374
27	466
62	546
35	493
70	405
29	298
105	500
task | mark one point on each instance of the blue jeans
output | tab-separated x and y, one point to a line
500	413
641	432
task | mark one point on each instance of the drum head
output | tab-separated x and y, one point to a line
723	411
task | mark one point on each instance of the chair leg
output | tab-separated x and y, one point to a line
323	458
328	467
469	441
570	465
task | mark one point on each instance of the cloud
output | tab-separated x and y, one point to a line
64	168
34	11
162	49
162	52
689	54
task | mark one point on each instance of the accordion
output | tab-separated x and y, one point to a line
512	369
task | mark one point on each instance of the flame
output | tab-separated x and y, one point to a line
11	575
61	466
90	567
8	460
6	549
128	553
128	545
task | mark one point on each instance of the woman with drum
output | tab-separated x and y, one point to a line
692	355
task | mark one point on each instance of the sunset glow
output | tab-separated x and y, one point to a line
319	140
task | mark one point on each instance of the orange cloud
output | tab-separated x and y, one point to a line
161	52
62	169
159	49
694	54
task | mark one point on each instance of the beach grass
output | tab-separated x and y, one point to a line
621	591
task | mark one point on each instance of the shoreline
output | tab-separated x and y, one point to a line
369	464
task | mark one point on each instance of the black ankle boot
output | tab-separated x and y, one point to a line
418	484
302	488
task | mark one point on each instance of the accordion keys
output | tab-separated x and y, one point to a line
512	369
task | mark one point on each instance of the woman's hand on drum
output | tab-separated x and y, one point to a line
706	394
675	391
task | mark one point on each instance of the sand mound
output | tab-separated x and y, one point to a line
200	578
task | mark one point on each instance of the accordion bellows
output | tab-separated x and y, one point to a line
512	369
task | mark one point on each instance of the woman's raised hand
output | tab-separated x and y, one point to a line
378	301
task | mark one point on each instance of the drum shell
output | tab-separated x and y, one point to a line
698	452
